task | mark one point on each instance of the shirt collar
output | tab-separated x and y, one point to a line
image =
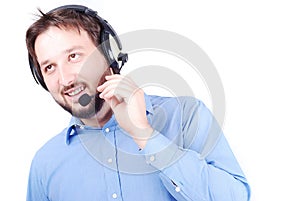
71	129
149	107
76	122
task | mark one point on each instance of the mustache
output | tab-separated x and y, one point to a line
85	84
66	89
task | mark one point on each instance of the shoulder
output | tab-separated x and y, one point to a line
51	148
182	110
182	103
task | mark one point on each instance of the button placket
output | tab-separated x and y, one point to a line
110	165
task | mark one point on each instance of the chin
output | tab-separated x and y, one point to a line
83	112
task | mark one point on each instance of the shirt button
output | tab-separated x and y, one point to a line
114	196
109	160
177	189
152	158
107	130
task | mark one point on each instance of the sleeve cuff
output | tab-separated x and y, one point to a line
160	152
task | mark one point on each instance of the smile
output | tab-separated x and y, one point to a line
76	91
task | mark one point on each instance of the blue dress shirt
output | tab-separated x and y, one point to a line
186	159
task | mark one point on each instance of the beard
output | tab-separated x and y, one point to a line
90	110
86	112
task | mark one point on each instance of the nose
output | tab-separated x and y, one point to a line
67	75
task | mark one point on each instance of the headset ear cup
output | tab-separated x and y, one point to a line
107	51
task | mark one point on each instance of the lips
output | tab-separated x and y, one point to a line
74	91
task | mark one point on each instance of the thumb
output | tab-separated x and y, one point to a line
113	102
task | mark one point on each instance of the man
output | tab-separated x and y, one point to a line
121	144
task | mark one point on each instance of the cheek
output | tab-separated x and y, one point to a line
52	84
102	79
94	66
94	71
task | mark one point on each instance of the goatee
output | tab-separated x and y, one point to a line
86	112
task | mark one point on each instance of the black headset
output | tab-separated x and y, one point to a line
106	31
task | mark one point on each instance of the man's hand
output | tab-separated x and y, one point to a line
128	104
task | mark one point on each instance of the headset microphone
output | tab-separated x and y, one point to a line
85	99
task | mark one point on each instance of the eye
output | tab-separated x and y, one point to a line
48	69
74	57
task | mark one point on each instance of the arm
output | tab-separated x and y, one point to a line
189	175
186	174
35	190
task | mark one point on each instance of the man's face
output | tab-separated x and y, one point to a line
71	66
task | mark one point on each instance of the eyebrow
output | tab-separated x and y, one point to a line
76	47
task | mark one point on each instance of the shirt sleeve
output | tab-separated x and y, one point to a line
186	173
35	189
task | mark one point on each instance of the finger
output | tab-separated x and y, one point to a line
121	92
108	90
123	79
113	102
114	76
123	87
117	79
102	87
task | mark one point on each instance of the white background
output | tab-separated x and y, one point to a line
254	45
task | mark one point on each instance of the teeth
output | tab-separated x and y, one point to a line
75	92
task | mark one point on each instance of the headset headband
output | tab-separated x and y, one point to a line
106	31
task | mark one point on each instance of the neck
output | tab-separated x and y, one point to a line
101	118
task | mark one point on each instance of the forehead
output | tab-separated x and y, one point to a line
56	40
